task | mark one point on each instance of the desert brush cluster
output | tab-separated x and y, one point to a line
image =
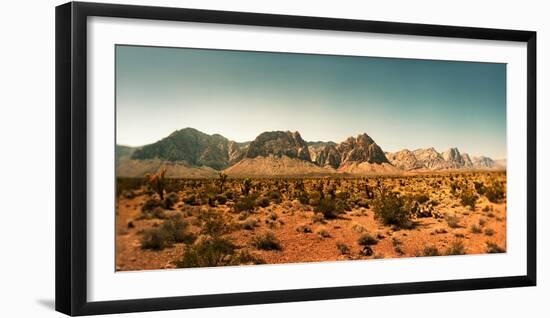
225	221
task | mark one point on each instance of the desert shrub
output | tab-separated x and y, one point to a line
495	192
246	203
397	246
475	229
150	204
266	241
221	198
178	229
303	197
392	209
489	232
452	221
171	199
262	202
322	232
430	250
304	228
246	258
329	208
456	248
249	224
343	248
208	252
468	198
494	248
230	195
212	223
155	239
171	231
367	239
421	198
191	200
482	222
480	187
275	196
367	250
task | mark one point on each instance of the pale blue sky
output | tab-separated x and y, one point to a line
400	103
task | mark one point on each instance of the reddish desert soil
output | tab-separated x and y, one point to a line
288	218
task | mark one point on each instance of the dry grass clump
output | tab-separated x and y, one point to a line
494	248
456	248
475	229
343	248
452	221
207	252
304	228
267	241
430	250
169	232
367	239
322	232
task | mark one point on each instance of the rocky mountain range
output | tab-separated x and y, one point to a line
191	153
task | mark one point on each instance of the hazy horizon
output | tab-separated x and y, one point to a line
400	103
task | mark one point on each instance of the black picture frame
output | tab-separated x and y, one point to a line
71	157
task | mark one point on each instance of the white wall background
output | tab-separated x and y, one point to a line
27	157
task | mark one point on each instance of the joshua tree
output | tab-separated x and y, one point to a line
368	191
222	180
156	182
320	188
246	186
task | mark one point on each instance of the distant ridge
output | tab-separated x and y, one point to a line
191	153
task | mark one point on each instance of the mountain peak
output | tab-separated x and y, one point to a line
361	149
279	143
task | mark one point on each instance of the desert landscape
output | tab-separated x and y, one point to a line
198	200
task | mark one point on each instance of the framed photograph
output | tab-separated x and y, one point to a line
209	158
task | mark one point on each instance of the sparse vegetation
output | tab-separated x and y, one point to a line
430	250
208	252
391	209
329	208
367	239
171	231
494	248
456	248
452	221
475	229
468	198
221	221
343	248
495	192
266	241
